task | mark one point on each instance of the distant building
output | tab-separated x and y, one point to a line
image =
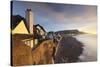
40	30
39	33
50	35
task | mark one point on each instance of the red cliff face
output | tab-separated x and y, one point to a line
24	55
21	53
43	53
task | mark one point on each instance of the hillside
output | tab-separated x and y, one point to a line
69	32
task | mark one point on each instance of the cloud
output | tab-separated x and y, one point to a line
68	17
58	16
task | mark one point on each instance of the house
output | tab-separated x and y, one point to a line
20	30
24	36
25	30
39	33
18	25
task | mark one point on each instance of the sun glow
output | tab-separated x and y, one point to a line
91	30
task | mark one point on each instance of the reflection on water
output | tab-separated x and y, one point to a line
90	47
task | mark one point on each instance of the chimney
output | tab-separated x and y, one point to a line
29	20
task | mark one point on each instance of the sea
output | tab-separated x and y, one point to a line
90	47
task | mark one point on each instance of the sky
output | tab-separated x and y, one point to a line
55	17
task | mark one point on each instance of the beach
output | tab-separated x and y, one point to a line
79	48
